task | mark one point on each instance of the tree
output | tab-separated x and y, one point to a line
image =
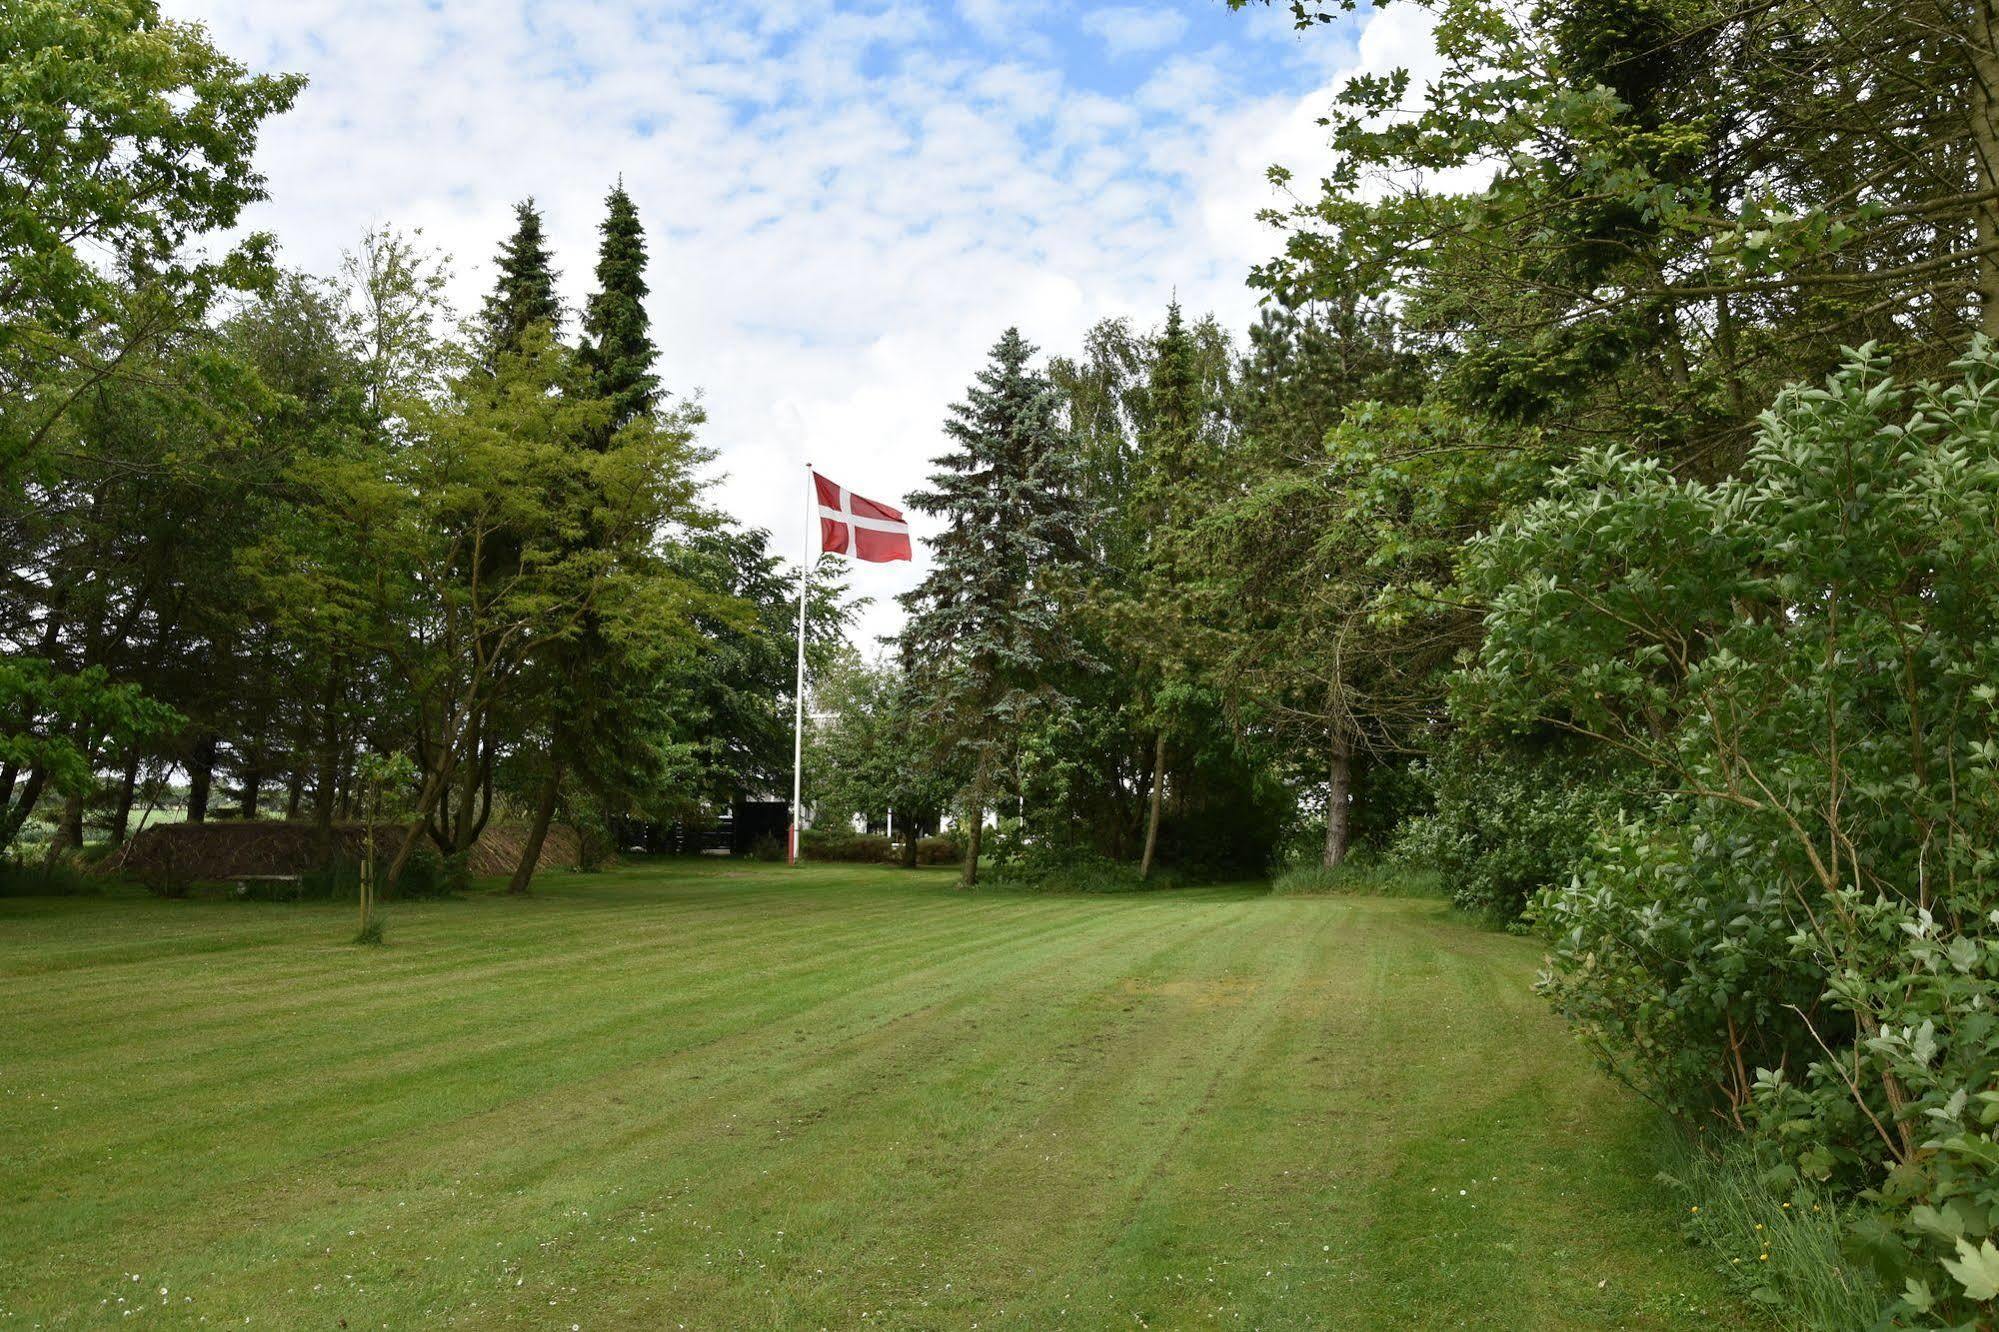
1327	571
523	296
580	682
986	637
869	756
737	713
1178	452
1794	936
618	351
1635	220
122	135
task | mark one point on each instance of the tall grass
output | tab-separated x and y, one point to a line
1776	1236
1042	873
38	876
1360	875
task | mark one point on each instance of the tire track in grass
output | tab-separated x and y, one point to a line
556	1169
1043	1190
373	1074
857	1095
999	945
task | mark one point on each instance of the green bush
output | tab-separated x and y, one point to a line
38	876
338	882
1511	818
842	845
1039	870
768	848
426	875
1798	939
948	849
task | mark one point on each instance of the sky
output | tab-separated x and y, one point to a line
846	203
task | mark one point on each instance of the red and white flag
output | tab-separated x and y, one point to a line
852	525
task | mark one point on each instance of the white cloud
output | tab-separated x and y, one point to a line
844	208
1127	30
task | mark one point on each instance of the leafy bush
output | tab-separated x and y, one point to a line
426	875
371	935
38	876
768	848
840	844
1066	871
339	881
1798	940
948	849
1511	818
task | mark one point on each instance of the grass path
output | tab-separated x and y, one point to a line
718	1096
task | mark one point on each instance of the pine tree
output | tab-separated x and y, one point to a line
1171	460
1176	413
986	639
618	351
524	294
593	683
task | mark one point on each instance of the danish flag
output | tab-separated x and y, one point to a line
852	525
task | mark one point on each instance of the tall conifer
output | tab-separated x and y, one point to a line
986	638
618	350
524	292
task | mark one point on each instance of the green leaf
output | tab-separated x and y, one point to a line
1977	1270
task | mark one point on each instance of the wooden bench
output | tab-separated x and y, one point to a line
245	882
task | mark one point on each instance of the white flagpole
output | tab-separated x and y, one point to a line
798	706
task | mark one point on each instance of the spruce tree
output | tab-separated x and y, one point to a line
1172	458
524	293
986	637
1176	415
618	351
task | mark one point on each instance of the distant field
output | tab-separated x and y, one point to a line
719	1096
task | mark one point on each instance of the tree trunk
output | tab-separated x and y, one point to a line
544	810
200	775
294	793
324	792
253	785
1339	793
1152	815
1984	108
969	876
12	817
326	782
69	828
121	814
434	787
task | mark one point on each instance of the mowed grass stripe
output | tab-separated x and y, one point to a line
453	1088
756	1098
373	1014
828	1150
894	1131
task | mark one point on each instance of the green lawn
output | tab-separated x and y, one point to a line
720	1096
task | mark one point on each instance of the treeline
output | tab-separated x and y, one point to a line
298	541
1606	514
